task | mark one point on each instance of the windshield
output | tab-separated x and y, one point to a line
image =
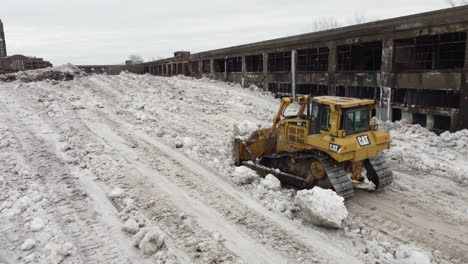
356	120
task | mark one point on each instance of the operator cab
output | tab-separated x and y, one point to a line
353	114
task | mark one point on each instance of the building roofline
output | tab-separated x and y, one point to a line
451	15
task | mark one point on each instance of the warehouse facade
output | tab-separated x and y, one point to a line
415	66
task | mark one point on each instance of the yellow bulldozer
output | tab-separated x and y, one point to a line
330	142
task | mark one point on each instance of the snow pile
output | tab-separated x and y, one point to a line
62	73
322	207
406	254
417	148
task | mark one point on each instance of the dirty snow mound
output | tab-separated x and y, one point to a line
322	207
62	73
406	254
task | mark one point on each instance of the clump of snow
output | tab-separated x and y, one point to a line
28	244
131	226
57	253
149	240
117	193
271	183
37	224
243	175
322	207
406	254
244	129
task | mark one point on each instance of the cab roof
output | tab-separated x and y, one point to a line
343	101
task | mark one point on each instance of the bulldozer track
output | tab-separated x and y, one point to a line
339	179
382	170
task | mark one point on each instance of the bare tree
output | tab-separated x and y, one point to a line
135	58
325	23
360	18
454	3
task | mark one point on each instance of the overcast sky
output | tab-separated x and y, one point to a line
108	31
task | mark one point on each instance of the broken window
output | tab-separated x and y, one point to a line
279	62
219	65
180	69
360	57
280	89
254	63
312	60
428	98
438	52
234	64
311	89
362	92
420	119
195	66
206	66
186	69
442	123
396	114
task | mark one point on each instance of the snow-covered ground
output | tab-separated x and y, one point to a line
137	169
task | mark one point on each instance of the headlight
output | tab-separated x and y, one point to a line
343	134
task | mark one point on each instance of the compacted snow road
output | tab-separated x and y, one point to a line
90	173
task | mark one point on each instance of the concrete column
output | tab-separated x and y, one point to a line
331	68
384	110
430	122
225	69
293	74
408	116
244	72
463	117
200	67
211	66
265	71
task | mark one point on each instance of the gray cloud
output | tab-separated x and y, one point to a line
107	31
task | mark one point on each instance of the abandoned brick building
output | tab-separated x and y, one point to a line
17	62
416	66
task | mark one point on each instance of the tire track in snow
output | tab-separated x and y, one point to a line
282	231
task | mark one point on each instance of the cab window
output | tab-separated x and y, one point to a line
325	117
356	120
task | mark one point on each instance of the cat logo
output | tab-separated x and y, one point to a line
335	148
363	140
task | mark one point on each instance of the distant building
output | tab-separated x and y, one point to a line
3	51
16	63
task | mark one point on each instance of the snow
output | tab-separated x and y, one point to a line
37	224
271	182
322	207
243	175
407	254
131	226
28	244
96	157
117	192
149	240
